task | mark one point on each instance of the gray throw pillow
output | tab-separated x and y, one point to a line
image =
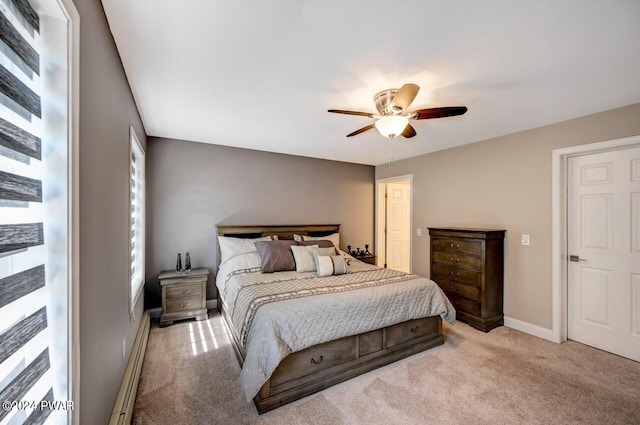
276	256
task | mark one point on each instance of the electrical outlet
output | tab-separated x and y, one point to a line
526	240
124	344
419	231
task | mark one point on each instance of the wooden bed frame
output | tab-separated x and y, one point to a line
315	368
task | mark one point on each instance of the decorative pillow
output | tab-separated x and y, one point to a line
231	247
304	258
334	238
322	243
321	252
331	265
276	256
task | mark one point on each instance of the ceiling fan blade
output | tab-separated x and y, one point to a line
340	111
362	130
403	98
409	131
449	111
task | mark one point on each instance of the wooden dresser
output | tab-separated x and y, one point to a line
183	295
468	265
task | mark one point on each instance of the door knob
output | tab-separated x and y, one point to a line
576	258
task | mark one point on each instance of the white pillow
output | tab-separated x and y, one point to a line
331	265
232	247
320	252
304	258
334	238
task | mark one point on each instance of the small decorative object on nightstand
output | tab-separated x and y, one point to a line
183	295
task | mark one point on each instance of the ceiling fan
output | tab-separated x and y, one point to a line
392	120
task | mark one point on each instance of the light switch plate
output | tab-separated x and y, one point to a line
419	231
526	239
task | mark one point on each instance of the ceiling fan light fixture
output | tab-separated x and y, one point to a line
392	125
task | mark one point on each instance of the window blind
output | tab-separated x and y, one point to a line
24	351
137	217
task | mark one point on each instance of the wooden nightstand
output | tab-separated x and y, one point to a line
183	295
369	259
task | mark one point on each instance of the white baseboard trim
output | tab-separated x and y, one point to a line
212	304
123	408
529	328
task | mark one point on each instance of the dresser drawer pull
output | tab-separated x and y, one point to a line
455	246
454	289
414	330
320	359
185	305
457	260
186	292
454	274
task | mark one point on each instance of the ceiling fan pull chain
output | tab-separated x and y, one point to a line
390	153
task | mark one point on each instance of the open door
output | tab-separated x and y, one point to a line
393	230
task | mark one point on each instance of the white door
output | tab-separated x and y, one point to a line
399	226
604	242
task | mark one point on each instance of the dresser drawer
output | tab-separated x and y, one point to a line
314	359
457	245
460	289
464	261
463	305
184	304
406	331
185	290
442	272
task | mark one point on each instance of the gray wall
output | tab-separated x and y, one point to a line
106	111
194	186
505	183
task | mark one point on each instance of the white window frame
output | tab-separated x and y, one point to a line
135	288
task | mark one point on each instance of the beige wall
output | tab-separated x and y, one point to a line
192	187
504	183
107	109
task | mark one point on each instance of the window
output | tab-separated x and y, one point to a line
137	221
36	203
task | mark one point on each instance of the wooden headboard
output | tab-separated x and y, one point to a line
283	232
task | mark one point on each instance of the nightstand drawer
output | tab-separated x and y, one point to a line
184	304
442	272
457	245
460	289
185	290
463	261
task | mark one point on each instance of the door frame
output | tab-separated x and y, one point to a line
559	228
379	238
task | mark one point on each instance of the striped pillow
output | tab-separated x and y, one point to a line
331	265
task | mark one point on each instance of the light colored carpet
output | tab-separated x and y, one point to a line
190	376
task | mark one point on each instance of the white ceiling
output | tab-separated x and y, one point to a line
262	74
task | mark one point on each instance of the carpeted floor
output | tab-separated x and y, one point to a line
190	376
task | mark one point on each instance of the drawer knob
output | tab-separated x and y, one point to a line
451	258
185	305
414	330
454	274
320	359
457	260
454	289
186	292
451	245
457	245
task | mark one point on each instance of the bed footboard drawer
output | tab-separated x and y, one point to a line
314	359
407	331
